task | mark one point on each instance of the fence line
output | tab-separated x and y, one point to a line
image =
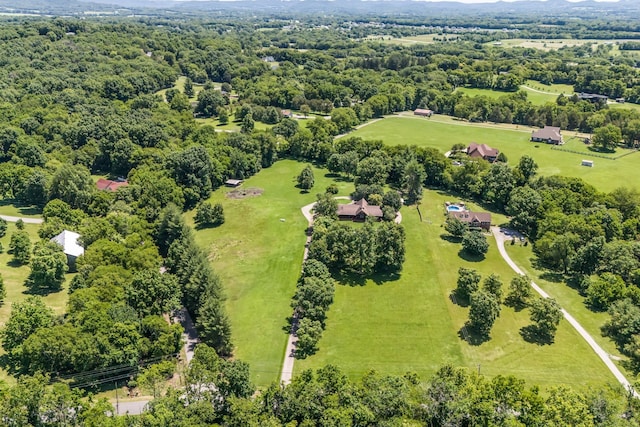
601	156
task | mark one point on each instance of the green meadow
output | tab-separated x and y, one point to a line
412	325
606	175
258	254
408	324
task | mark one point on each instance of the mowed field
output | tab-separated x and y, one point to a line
411	324
443	132
569	298
258	254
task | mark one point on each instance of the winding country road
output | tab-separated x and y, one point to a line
499	234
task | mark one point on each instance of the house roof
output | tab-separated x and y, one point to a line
422	111
108	185
233	182
590	96
358	207
481	150
469	217
69	242
548	132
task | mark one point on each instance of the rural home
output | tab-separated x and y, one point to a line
70	246
423	112
482	151
109	185
473	219
359	211
592	97
548	134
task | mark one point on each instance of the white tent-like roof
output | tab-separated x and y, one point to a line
69	242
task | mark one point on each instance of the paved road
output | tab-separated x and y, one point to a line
603	355
132	408
25	220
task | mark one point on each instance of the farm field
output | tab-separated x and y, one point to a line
606	175
258	257
412	325
410	40
550	44
537	93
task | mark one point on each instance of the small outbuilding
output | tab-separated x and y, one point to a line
588	163
423	112
233	182
70	246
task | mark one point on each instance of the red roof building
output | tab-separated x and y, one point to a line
108	185
482	151
473	219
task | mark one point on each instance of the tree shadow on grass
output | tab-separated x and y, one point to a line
532	334
450	238
470	257
458	299
470	335
206	226
24	210
355	279
553	277
517	306
5	363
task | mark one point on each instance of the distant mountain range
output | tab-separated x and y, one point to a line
624	8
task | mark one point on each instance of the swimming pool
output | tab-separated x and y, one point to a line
454	208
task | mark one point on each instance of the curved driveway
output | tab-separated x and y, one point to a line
603	355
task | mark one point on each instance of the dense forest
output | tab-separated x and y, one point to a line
79	98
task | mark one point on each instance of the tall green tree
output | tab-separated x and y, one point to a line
72	184
48	267
484	309
546	315
26	318
20	247
414	176
306	179
468	282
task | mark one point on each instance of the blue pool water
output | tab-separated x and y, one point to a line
454	208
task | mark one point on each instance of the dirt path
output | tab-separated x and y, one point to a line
498	233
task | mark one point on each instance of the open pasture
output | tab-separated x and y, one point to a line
258	254
514	141
412	325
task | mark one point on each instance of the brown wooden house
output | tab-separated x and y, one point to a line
359	211
478	220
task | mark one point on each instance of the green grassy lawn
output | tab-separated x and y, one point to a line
442	133
10	208
259	257
411	40
14	278
180	86
411	324
533	89
232	126
569	298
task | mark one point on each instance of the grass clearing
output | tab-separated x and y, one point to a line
258	257
411	324
10	208
442	132
570	299
14	278
552	44
537	93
